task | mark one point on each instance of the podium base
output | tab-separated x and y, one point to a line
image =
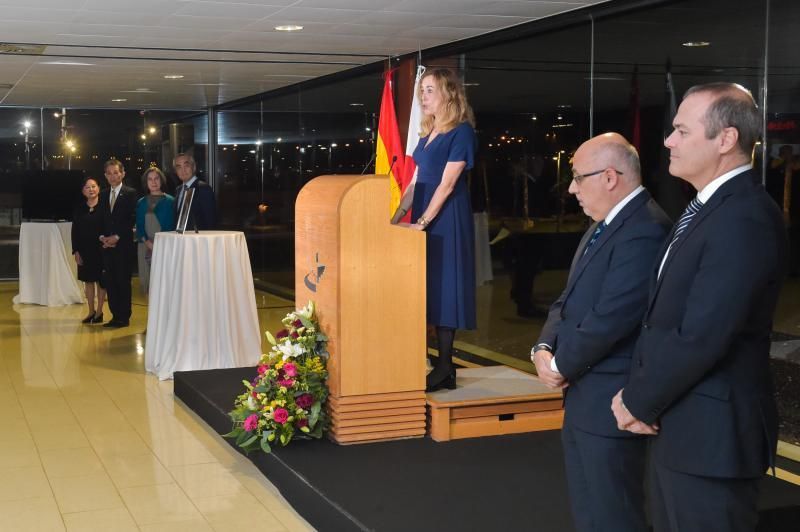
377	417
491	401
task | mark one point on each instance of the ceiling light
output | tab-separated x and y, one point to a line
65	63
289	27
564	106
696	44
472	84
173	76
152	130
356	104
117	100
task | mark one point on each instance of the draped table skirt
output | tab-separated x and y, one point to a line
202	312
47	271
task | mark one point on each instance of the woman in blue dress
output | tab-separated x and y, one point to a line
440	204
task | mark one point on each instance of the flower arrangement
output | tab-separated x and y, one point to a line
287	398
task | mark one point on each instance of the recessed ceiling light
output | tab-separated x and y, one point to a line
696	44
65	63
356	104
289	27
173	76
119	100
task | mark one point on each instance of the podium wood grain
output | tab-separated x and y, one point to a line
367	278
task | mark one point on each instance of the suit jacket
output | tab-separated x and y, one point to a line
594	324
702	361
203	213
120	222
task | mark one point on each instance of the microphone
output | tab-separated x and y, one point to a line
368	163
394	160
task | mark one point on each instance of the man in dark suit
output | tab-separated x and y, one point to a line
118	204
203	212
591	329
701	374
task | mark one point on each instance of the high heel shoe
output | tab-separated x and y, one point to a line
98	318
435	382
88	319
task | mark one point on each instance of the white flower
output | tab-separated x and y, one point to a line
290	350
251	403
306	311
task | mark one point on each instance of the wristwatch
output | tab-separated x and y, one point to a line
541	346
423	221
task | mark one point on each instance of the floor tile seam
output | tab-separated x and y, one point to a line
177	485
269	512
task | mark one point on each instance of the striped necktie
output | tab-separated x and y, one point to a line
595	236
686	218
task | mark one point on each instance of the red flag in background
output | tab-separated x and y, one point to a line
635	118
389	157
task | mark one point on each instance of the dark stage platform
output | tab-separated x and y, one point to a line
498	483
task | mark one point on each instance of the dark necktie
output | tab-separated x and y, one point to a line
595	236
686	218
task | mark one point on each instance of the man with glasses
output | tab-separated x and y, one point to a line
587	342
701	367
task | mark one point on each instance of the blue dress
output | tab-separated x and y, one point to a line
451	235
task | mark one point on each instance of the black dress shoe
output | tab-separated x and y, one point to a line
88	319
437	381
97	318
114	324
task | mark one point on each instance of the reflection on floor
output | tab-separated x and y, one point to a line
89	441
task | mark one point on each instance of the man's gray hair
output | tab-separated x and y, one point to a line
624	158
734	106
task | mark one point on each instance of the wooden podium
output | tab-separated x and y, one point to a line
367	278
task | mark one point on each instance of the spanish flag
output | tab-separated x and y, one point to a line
389	155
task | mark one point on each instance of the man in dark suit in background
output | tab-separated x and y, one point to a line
118	204
591	330
203	212
701	372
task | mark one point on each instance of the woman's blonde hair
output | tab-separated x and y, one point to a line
455	107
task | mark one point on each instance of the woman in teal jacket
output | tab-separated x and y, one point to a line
154	213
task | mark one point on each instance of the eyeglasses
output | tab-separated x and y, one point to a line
578	178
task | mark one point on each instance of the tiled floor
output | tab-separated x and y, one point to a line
89	441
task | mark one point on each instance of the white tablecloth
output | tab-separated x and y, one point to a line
47	271
202	312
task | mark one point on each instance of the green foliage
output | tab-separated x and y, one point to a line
286	399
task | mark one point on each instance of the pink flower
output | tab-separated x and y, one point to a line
300	423
304	401
290	369
254	394
263	368
280	415
295	335
251	423
283	333
297	323
286	383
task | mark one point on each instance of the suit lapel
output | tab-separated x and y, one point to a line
717	199
581	260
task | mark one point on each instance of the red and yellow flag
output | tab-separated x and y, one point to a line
389	155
